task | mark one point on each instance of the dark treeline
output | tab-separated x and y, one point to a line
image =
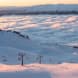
37	13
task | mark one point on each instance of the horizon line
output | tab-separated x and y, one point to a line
35	5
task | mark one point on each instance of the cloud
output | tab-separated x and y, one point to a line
71	19
56	25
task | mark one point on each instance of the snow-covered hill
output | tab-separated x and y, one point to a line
39	8
12	39
12	43
57	7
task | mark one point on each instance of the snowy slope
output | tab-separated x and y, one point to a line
10	39
11	44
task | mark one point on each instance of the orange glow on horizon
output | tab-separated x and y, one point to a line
34	2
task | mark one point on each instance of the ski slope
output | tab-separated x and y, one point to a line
59	61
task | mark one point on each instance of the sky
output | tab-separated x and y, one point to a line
35	2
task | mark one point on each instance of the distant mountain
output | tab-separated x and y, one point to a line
40	9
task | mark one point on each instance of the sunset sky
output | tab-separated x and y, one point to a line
35	2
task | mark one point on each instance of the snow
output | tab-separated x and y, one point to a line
10	47
40	8
10	39
58	61
65	70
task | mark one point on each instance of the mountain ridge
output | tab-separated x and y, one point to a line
54	8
